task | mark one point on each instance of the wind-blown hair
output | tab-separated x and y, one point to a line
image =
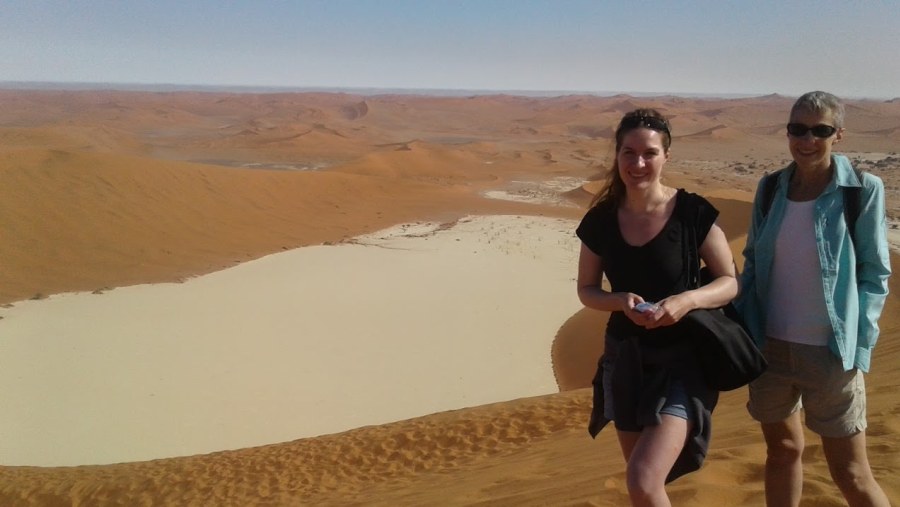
613	190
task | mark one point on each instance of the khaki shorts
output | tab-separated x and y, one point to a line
812	378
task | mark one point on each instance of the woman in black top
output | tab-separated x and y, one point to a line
648	381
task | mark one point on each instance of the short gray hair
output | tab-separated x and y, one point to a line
821	102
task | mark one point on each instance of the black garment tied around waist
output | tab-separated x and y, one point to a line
641	378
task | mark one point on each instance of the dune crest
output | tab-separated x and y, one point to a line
102	190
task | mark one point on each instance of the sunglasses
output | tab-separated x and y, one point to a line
821	131
650	122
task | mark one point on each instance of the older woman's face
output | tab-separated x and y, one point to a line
809	151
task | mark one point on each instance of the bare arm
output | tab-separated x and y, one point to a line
716	254
590	289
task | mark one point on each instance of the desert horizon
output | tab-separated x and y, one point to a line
352	299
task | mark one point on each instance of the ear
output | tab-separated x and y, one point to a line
838	135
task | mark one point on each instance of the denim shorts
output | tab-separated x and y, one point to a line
812	378
675	404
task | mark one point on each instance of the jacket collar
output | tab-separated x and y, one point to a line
844	175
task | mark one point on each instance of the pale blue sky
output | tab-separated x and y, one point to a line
851	48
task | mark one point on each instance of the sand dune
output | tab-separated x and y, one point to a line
104	191
182	369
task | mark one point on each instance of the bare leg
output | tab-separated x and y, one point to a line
784	465
850	470
627	441
651	459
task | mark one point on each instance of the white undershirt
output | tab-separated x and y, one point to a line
796	306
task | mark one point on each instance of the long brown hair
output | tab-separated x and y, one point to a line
613	190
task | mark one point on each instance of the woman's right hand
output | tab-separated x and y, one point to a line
637	315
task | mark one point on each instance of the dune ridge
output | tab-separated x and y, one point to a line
101	190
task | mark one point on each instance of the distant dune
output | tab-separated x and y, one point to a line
101	190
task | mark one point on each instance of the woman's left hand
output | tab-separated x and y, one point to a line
670	310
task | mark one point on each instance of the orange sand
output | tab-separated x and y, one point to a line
100	190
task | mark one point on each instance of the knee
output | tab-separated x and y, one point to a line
851	476
644	481
785	451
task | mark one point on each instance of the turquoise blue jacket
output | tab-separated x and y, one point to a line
855	279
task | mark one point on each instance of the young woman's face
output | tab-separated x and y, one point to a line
641	158
809	151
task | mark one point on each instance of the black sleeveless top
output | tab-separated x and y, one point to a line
654	270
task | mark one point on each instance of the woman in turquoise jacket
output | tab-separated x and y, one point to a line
812	292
